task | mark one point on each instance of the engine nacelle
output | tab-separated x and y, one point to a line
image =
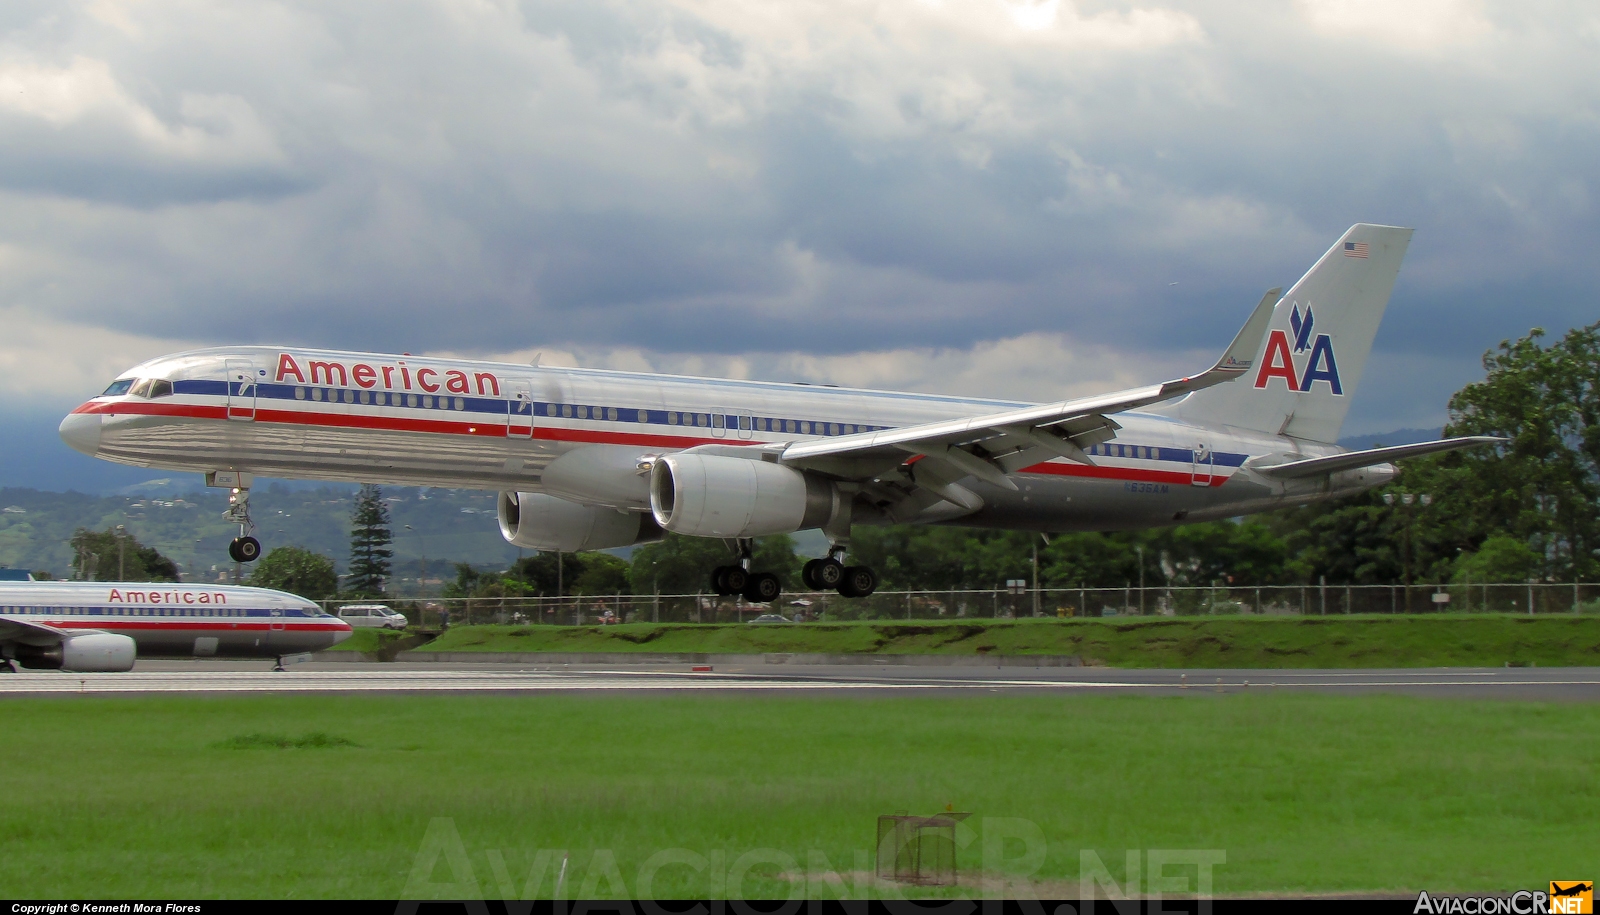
540	522
708	495
92	652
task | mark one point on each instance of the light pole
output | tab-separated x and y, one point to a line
422	563
1407	547
1140	548
122	553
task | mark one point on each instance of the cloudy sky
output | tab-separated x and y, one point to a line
1024	199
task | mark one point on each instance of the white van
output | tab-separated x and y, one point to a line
373	615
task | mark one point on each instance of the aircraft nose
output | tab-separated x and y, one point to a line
82	432
340	635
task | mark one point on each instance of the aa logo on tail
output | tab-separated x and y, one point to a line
1319	365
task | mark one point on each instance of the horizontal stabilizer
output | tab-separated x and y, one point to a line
1354	459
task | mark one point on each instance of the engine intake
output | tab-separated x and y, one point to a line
540	522
93	652
708	495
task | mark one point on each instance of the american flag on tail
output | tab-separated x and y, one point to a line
1355	249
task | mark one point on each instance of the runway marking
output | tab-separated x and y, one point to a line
413	680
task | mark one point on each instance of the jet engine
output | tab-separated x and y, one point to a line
541	522
92	652
708	495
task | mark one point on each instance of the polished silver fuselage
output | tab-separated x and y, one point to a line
340	416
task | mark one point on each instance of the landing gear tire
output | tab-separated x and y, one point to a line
245	549
762	588
278	667
822	574
729	581
858	581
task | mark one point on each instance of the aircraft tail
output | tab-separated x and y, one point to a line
1316	345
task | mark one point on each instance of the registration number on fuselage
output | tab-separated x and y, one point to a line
1150	488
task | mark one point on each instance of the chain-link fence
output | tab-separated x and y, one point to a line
1282	600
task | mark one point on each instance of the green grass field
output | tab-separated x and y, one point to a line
1457	640
331	796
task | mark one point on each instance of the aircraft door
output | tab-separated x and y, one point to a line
1202	465
241	389
519	411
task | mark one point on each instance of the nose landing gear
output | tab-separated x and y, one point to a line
243	548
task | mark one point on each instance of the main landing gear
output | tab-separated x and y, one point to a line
244	547
739	581
829	574
826	574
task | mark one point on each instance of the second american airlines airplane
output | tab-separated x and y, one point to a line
586	459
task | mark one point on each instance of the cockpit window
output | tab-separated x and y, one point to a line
118	387
148	388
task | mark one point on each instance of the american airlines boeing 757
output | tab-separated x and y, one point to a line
587	459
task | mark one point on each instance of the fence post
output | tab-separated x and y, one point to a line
1574	593
1530	598
1393	604
1348	600
1258	601
1322	592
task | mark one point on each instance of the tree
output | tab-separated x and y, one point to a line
602	573
1543	485
297	570
116	555
1501	559
369	543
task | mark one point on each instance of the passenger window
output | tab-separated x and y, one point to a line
411	400
716	420
461	403
118	388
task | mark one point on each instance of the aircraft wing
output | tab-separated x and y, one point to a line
990	446
24	632
1350	461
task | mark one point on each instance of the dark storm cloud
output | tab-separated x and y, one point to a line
721	177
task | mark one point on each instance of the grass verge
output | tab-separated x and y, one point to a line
1457	640
144	798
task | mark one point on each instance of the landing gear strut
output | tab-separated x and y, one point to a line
244	547
277	665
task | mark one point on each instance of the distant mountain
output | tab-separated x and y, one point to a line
445	525
1397	437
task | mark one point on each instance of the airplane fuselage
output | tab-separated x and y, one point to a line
178	620
362	417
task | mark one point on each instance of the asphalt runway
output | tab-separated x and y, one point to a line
225	677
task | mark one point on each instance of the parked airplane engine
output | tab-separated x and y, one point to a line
92	652
541	522
708	495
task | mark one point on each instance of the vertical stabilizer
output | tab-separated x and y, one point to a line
1316	346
